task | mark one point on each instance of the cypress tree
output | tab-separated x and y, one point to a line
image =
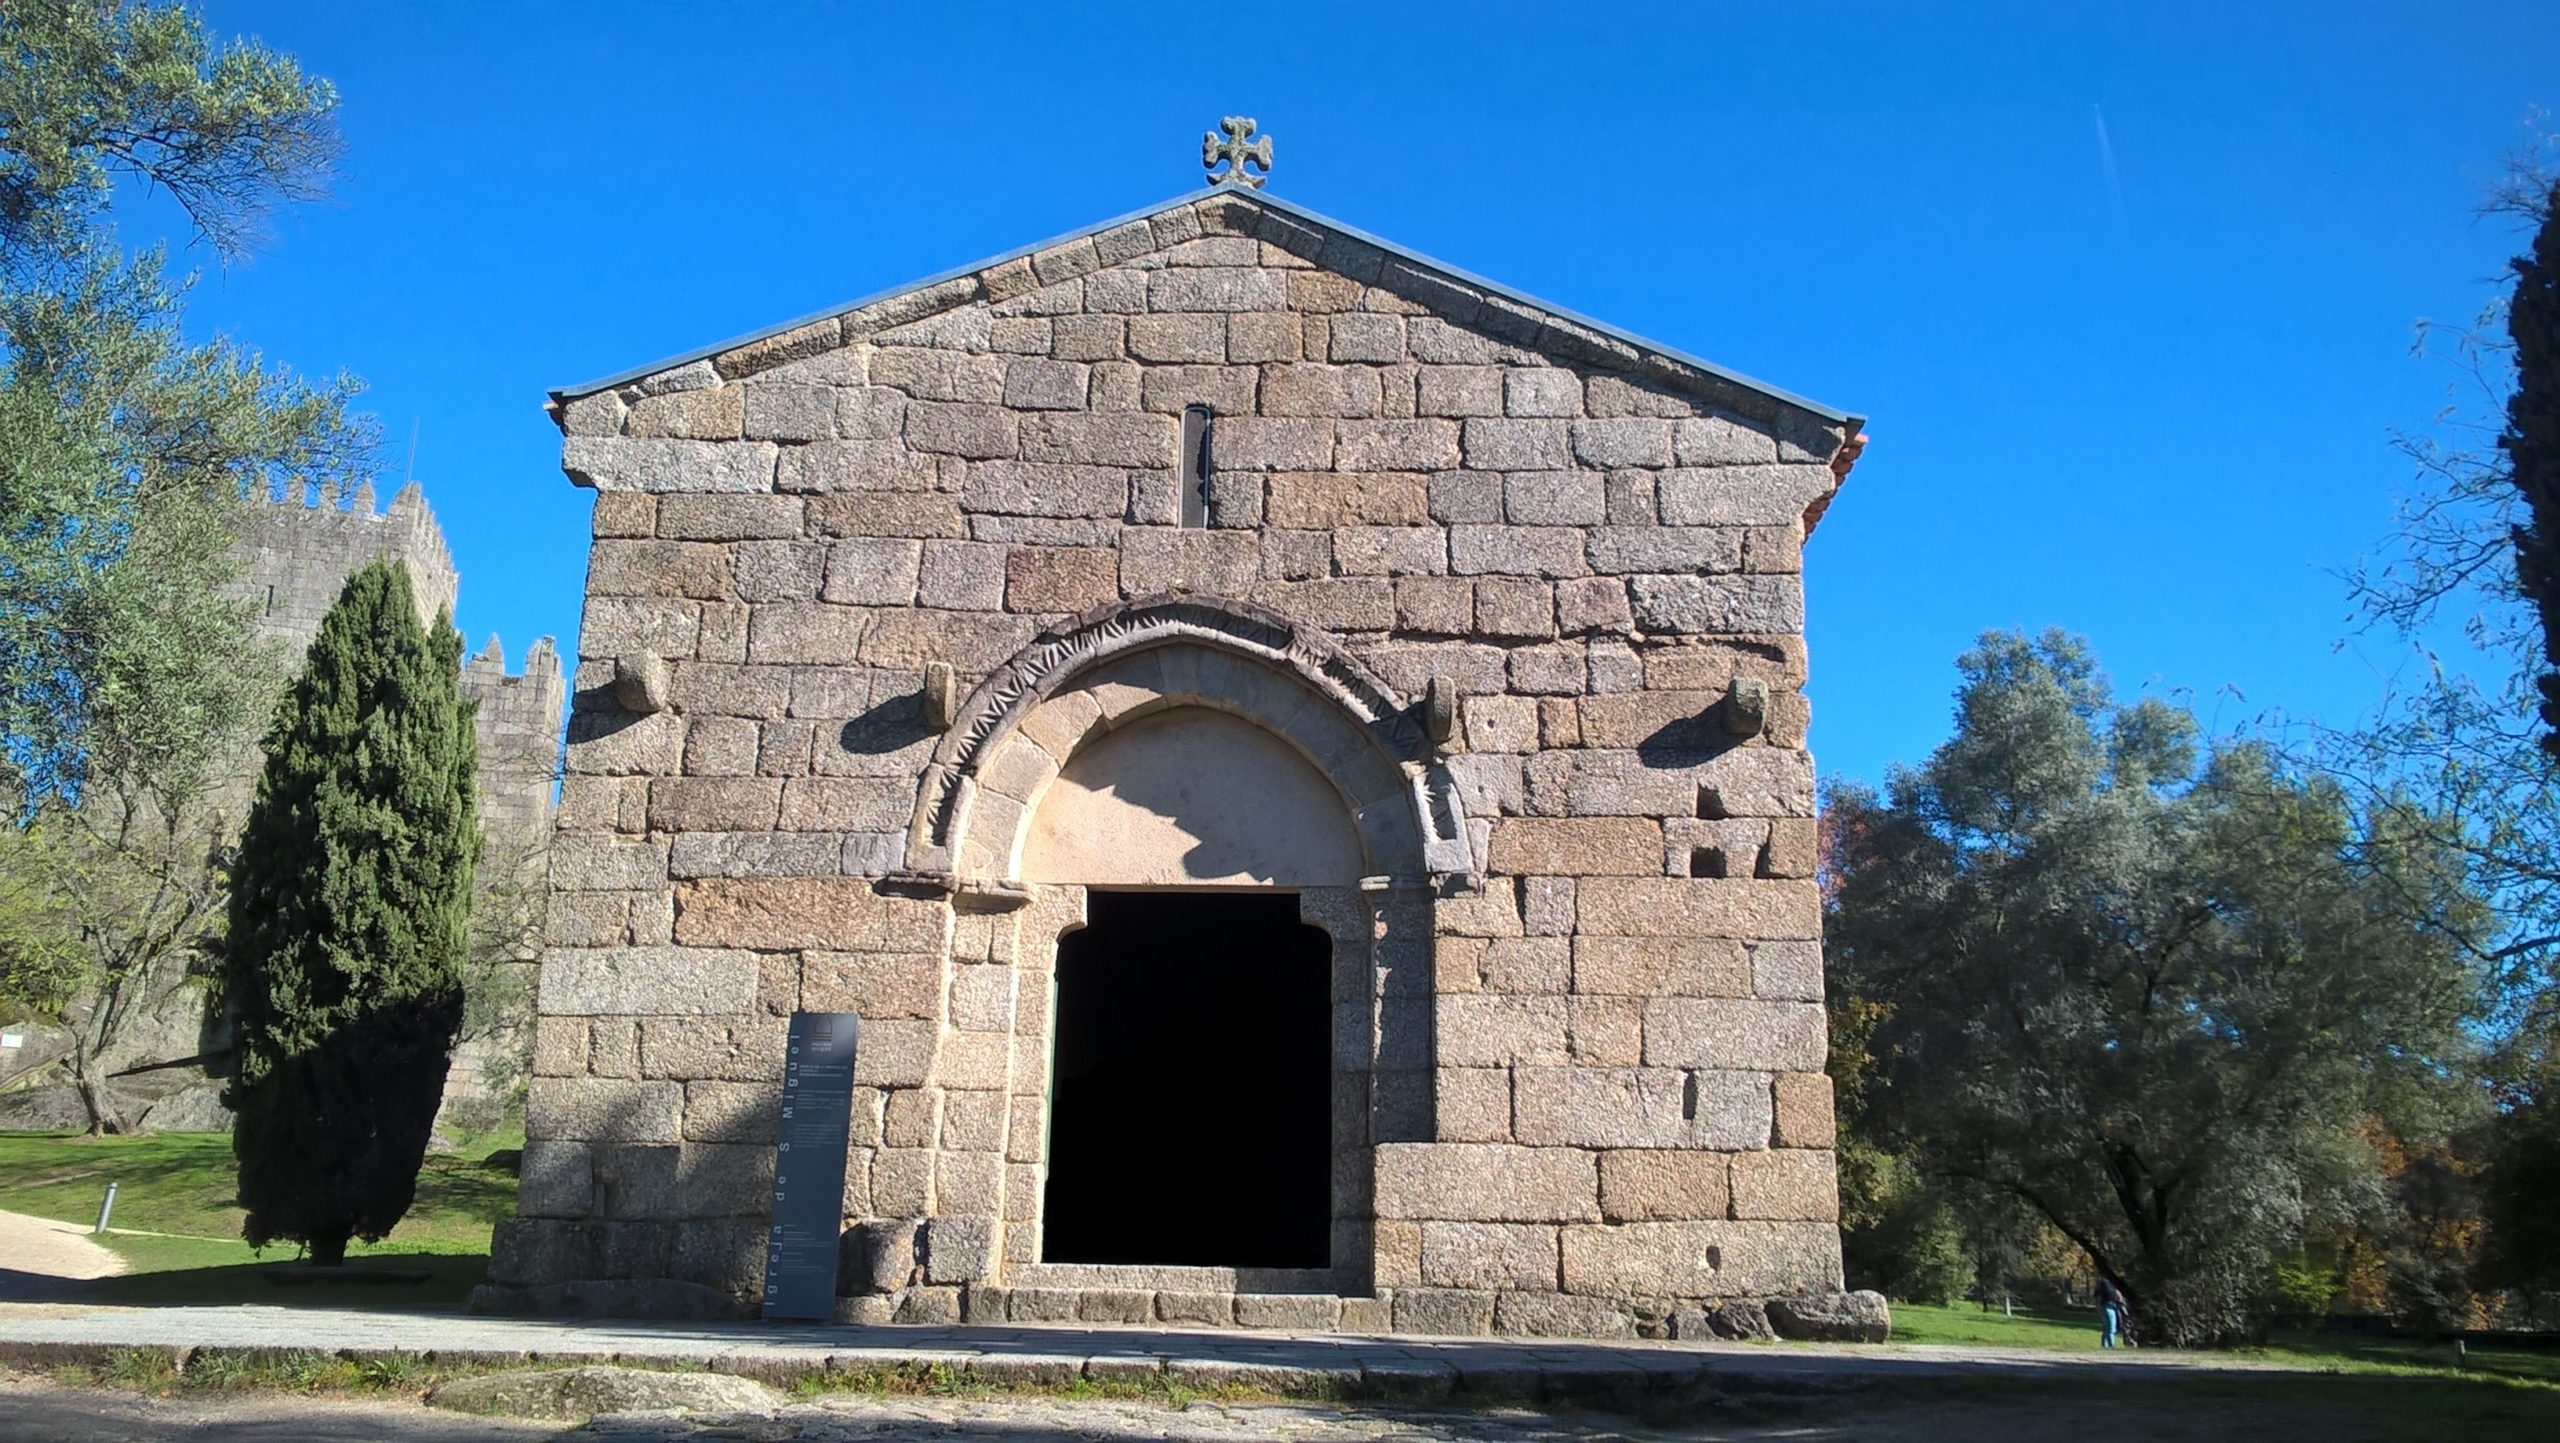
350	917
2532	442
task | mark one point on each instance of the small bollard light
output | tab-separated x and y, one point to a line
106	1208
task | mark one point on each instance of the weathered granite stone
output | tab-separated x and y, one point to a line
1861	1317
1438	1312
1803	1111
636	981
1488	1256
1547	1314
1662	1185
1577	846
1653	1106
1490	1182
661	466
1488	572
1701	1259
1703	605
1787	1183
600	1110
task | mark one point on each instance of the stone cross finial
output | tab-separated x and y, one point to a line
1237	152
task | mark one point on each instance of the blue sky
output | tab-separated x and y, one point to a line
2148	400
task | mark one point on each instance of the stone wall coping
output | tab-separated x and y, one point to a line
1678	361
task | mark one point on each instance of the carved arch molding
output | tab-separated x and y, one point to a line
949	802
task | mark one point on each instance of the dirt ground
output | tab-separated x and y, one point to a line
51	1249
38	1411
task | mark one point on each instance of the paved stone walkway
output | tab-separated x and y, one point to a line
33	1410
1421	1368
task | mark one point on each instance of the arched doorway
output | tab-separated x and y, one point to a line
1191	1090
1191	747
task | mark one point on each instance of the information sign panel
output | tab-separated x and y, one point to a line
808	1166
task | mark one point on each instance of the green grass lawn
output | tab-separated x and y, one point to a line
2076	1330
2029	1327
2411	1357
175	1190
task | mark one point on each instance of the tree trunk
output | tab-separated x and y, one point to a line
103	1117
329	1251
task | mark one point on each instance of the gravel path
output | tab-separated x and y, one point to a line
49	1249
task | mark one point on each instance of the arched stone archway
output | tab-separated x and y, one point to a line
1123	664
1193	745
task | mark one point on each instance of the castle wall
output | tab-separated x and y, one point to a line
1579	1033
295	554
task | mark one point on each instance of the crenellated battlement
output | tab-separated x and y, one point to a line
519	729
299	544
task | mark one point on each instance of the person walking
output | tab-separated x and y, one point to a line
2111	1312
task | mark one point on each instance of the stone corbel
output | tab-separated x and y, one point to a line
1440	709
1746	706
941	695
640	683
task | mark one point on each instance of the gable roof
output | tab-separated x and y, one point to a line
1478	302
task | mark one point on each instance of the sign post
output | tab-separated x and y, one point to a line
808	1166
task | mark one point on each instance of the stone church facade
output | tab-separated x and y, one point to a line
1294	753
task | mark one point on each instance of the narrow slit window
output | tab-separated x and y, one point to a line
1195	466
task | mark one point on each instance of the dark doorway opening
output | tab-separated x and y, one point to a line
1190	1114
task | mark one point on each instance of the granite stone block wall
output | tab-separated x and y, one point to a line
1580	1040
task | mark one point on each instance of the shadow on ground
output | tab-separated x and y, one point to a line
390	1282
